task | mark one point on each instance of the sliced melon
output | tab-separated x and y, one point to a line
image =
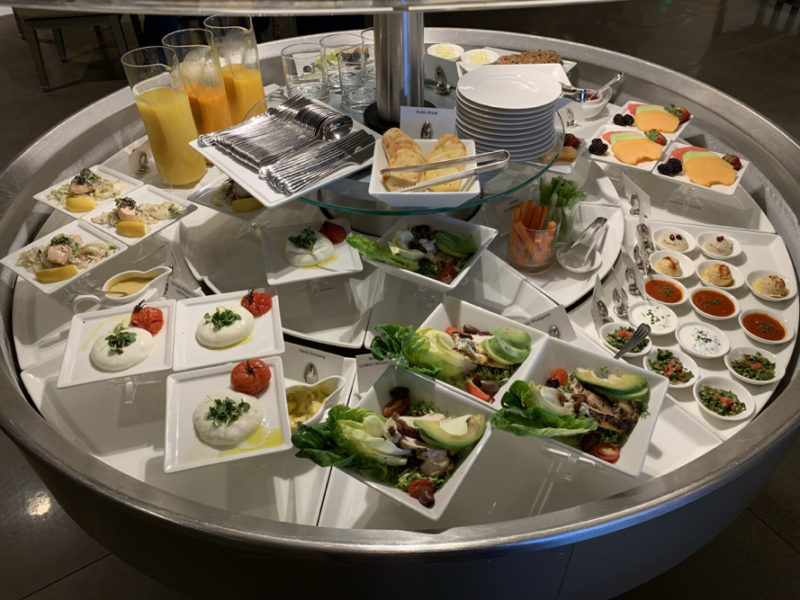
243	205
687	156
55	274
633	107
621	136
710	170
80	204
131	228
681	151
657	119
635	151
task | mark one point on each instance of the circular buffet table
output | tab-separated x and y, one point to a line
574	529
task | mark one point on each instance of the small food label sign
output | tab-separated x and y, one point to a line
413	118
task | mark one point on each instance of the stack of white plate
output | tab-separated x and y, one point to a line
509	107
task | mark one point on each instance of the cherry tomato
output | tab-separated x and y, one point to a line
608	452
446	274
335	233
401	397
258	303
422	489
251	377
147	317
560	374
478	392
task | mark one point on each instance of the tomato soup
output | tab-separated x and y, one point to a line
663	291
713	303
764	326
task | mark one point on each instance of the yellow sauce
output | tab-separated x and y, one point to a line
320	264
258	440
130	285
249	338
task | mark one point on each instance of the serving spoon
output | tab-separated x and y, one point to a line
642	331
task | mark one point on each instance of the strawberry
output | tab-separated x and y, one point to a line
656	137
679	111
572	141
734	160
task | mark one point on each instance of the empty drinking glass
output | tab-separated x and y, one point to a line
331	46
303	71
358	90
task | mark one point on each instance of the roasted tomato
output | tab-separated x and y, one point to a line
335	233
478	392
147	317
560	374
608	452
401	397
258	303
422	489
251	377
446	274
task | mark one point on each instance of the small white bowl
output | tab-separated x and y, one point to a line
727	384
446	51
480	56
659	233
691	342
686	360
705	315
333	384
738	276
754	276
739	352
609	328
671	281
789	330
709	235
687	266
592	108
661	318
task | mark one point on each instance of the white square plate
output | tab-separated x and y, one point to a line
86	328
266	338
146	194
184	450
624	111
483	234
279	271
88	232
453	312
444	399
684	179
423	198
214	196
128	185
555	353
609	157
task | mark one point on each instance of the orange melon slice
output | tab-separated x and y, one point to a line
634	151
709	170
660	120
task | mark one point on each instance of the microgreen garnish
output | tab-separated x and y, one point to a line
120	338
226	411
305	239
125	202
65	240
222	317
88	175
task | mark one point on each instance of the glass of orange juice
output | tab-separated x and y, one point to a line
164	107
235	42
197	62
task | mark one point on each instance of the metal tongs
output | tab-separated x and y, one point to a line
499	161
581	253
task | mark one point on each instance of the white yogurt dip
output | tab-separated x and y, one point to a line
703	340
661	319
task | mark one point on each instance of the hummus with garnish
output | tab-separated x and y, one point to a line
719	245
669	266
718	274
673	241
772	286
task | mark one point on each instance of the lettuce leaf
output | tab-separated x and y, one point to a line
379	252
461	246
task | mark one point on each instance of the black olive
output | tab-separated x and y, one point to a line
470	329
552	382
490	387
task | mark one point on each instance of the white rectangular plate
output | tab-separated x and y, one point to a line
558	354
266	338
609	157
423	198
213	196
146	194
88	232
279	270
624	111
261	191
684	179
482	233
88	327
184	450
128	185
445	399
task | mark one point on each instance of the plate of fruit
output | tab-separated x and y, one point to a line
612	144
669	120
701	167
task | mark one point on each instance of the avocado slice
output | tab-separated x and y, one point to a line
637	395
500	351
515	337
614	386
624	135
452	434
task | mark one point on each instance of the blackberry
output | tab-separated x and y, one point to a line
619	119
672	167
598	146
628	120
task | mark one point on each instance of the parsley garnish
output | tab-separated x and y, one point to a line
765	328
702	336
65	240
88	175
120	338
305	239
226	411
126	202
222	317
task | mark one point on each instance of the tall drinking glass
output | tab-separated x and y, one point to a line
303	71
235	42
368	52
358	90
331	47
167	115
197	61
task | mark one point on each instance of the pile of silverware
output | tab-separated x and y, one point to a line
294	145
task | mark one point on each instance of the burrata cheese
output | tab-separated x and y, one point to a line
106	358
244	415
221	333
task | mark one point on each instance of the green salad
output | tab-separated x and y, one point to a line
722	402
754	366
670	366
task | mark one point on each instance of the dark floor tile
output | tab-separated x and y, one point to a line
40	543
105	579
